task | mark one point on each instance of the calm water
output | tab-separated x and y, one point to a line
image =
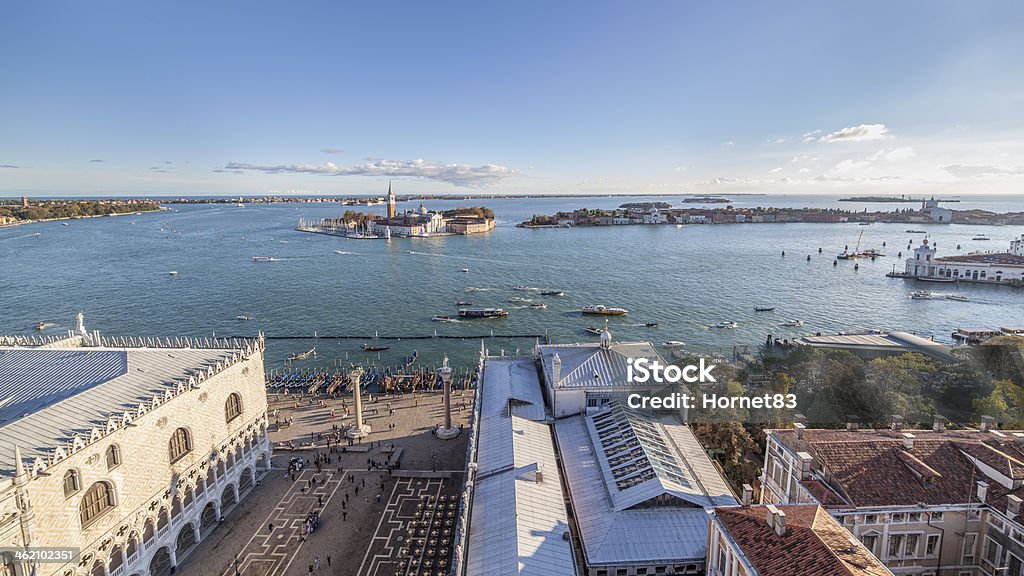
687	279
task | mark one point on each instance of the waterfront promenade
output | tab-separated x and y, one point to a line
372	521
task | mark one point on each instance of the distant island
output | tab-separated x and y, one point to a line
654	213
25	212
887	199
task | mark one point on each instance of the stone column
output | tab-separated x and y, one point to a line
446	431
358	429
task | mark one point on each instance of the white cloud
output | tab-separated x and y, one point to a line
809	136
893	154
982	171
805	170
850	165
857	133
331	151
777	169
728	143
680	168
455	174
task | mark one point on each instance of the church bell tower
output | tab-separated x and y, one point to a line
391	202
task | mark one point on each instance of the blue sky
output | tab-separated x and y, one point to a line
524	97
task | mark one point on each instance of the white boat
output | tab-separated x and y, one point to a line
244	318
465	269
538	306
239	205
527	289
958	298
41	326
673	344
921	295
981	237
518	299
263	259
173	272
604	310
444	319
793	323
727	324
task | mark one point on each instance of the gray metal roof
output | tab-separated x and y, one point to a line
589	365
894	341
662	517
49	395
517	522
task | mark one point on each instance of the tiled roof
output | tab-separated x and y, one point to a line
873	468
814	544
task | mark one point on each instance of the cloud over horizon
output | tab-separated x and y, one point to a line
332	151
855	133
9	166
96	161
454	174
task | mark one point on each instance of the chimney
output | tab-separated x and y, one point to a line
800	418
1012	506
982	490
897	422
939	424
748	495
851	423
780	523
773	511
539	477
556	370
908	440
805	464
986	423
799	430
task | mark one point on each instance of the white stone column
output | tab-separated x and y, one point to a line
358	429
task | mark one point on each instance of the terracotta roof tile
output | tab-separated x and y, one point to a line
814	543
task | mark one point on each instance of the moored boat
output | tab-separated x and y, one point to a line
369	348
763	308
603	310
673	344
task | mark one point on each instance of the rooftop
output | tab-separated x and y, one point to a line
895	341
517	515
589	365
47	396
996	258
889	468
814	544
641	486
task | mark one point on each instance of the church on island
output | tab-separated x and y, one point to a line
420	223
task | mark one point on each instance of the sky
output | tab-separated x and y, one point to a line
245	98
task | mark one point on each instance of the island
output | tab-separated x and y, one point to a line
14	212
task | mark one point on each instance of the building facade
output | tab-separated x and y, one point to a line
983	267
925	502
131	450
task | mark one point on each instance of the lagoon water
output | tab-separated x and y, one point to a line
686	279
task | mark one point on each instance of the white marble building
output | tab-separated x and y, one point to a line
131	450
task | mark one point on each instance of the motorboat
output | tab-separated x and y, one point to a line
244	318
263	259
673	344
527	288
650	324
921	295
958	298
917	232
552	293
793	323
518	299
482	312
593	330
172	273
369	348
603	310
763	308
463	303
538	306
465	269
727	324
473	289
443	319
41	326
981	237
